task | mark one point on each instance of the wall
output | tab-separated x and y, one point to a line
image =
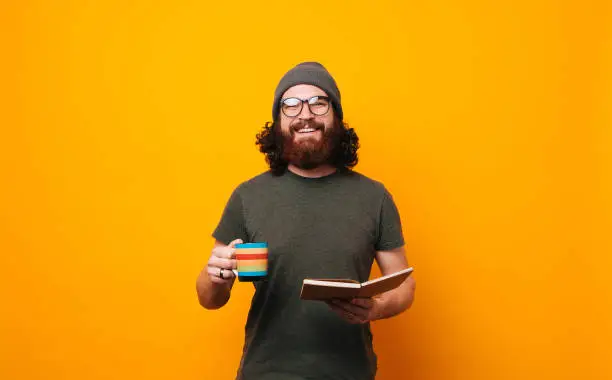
125	126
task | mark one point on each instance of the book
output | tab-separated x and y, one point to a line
328	288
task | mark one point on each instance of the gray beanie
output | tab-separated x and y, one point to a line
312	73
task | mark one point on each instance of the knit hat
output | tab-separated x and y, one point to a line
312	73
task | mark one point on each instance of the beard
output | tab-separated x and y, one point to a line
310	152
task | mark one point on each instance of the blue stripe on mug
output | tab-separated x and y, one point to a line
252	245
249	274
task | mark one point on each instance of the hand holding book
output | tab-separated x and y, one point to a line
356	311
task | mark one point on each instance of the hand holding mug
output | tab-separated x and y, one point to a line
222	263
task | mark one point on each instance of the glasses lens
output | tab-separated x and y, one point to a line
291	107
318	105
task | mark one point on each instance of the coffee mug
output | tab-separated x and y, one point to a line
251	261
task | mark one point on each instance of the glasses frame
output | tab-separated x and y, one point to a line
302	101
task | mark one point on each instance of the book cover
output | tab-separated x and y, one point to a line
328	288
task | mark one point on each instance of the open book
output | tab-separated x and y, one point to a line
324	289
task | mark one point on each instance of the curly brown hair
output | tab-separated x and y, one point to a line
343	156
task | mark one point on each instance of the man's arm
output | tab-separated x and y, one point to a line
398	300
214	291
385	305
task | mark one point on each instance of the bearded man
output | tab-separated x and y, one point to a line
320	219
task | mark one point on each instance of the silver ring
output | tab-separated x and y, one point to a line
221	272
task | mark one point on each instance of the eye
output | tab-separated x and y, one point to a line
318	101
291	102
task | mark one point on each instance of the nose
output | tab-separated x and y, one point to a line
305	113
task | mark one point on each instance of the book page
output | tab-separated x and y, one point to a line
390	275
332	282
384	283
319	291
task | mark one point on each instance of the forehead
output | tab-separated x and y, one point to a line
303	91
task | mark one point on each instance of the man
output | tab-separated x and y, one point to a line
320	219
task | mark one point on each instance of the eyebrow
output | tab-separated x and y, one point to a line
304	98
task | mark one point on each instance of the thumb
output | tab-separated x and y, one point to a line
230	247
233	243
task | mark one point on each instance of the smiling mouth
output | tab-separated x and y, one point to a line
307	130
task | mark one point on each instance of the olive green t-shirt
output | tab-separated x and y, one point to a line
328	227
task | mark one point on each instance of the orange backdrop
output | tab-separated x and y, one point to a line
125	126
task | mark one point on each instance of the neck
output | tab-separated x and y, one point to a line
319	171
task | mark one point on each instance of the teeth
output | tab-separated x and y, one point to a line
306	130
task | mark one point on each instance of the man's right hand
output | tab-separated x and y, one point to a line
222	263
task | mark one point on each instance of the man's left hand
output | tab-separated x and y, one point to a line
356	311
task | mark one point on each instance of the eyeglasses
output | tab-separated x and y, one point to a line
318	105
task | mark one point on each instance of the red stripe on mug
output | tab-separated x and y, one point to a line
256	256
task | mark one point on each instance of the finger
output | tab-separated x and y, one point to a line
347	306
223	252
222	263
215	275
216	271
346	315
365	303
339	311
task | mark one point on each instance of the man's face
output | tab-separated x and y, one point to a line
308	136
306	117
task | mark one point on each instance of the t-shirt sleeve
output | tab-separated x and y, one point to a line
231	226
390	233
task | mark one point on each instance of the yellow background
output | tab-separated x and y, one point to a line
126	124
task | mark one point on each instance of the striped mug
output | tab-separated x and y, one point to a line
251	261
